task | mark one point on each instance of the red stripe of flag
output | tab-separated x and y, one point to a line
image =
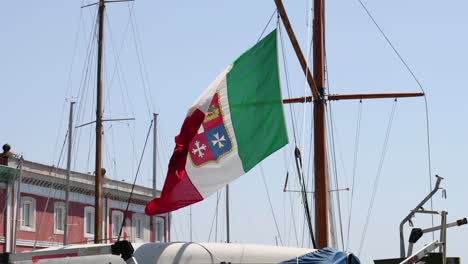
178	190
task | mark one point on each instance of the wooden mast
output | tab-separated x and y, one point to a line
320	145
319	98
98	167
317	84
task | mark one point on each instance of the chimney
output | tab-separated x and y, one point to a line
5	155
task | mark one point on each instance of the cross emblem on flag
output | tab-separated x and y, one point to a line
212	140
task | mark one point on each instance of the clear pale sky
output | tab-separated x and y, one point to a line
183	45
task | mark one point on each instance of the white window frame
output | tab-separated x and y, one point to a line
159	221
138	218
88	210
61	207
32	214
116	226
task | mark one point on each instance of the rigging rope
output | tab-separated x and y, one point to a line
84	84
69	91
271	205
301	176
293	219
335	172
356	150
310	170
428	143
117	72
134	180
378	175
293	222
333	153
141	62
286	76
266	26
215	219
50	189
304	194
293	124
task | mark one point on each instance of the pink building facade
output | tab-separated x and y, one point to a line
33	213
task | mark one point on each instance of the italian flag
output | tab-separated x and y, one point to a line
237	122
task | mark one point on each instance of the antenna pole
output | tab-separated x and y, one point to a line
191	230
155	145
320	146
17	205
98	168
228	235
67	185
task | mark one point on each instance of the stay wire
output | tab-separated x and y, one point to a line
84	84
378	174
300	174
288	86
141	62
335	171
136	176
50	189
69	91
123	84
422	90
333	152
356	151
429	157
267	24
391	45
296	236
271	205
293	121
215	218
117	72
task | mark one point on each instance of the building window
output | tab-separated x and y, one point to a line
138	228
28	214
159	229
59	217
117	219
88	221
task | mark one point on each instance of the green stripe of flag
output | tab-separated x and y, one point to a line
255	102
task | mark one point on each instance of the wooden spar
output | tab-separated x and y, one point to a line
98	167
297	49
307	99
336	97
320	146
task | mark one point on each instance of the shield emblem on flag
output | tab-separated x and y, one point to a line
212	141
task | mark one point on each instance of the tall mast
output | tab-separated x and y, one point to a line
317	85
155	145
67	185
320	146
228	231
98	168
